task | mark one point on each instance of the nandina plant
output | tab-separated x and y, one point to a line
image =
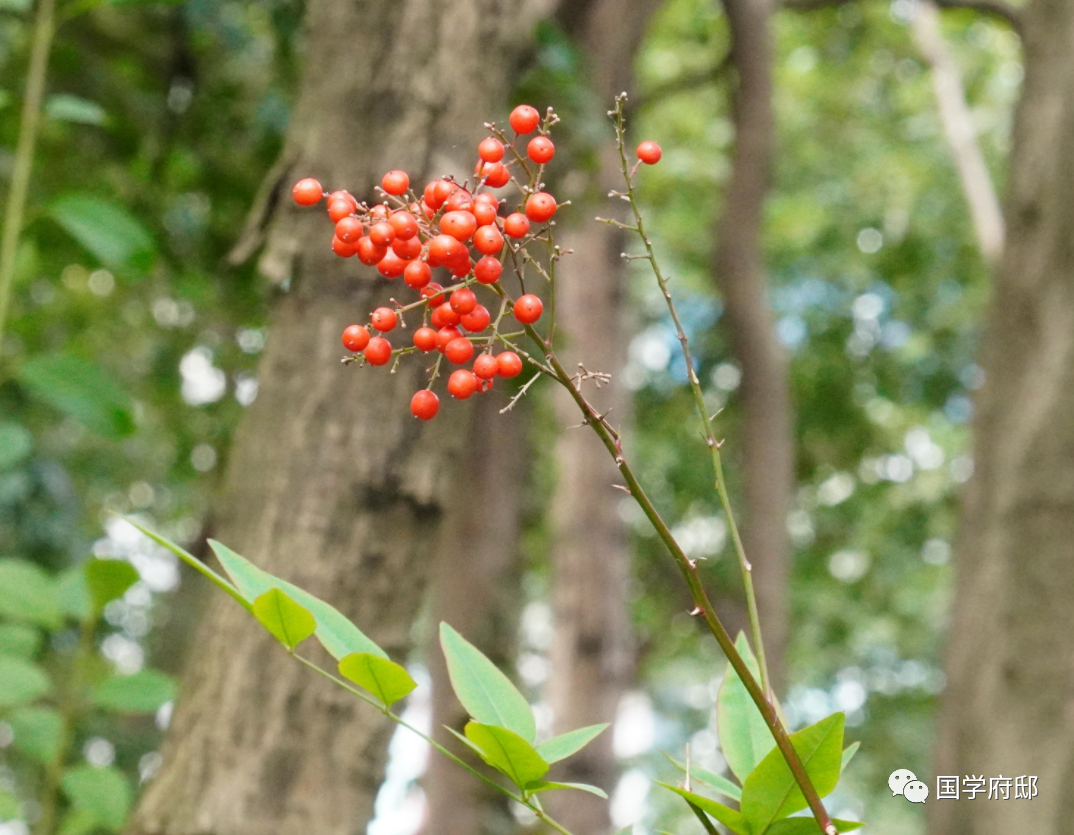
472	235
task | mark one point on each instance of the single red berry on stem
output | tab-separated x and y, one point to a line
540	149
485	210
488	270
460	267
378	351
430	195
649	152
528	309
382	233
349	230
424	405
425	339
369	253
404	224
339	208
446	336
395	182
495	174
516	225
408	249
417	274
477	319
486	367
460	224
540	207
524	119
509	363
461	384
490	149
447	314
355	338
444	249
488	240
459	350
391	265
343	249
434	293
307	192
459	201
383	319
463	300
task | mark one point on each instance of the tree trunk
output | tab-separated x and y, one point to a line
331	483
766	458
476	590
592	652
1009	706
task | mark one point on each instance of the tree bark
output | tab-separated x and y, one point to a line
331	483
767	441
1009	706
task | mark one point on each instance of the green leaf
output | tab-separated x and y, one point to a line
64	107
142	692
507	752
19	640
9	806
385	679
712	780
486	693
744	737
28	593
15	444
73	593
80	390
770	792
848	755
103	792
727	816
108	579
335	632
808	826
545	786
79	822
37	732
21	681
110	232
288	622
560	747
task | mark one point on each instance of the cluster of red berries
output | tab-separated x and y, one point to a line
408	235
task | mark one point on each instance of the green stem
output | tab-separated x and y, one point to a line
44	29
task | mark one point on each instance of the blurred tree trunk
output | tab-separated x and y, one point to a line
766	460
476	590
592	651
331	482
1009	706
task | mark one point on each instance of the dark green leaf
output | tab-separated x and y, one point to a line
289	623
27	593
486	693
848	755
143	692
545	786
15	444
710	779
385	679
507	752
37	732
20	640
108	579
727	816
770	792
21	681
103	792
744	737
105	228
808	826
80	390
560	747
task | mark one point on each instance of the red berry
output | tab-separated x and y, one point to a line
488	270
349	230
459	224
408	250
516	225
425	339
343	250
459	201
444	249
424	405
524	119
459	350
463	300
345	196
486	367
495	174
395	182
509	364
540	207
443	189
477	319
404	224
485	210
649	152
384	319
447	315
339	208
369	253
461	384
540	149
355	338
382	233
528	309
460	267
378	351
490	149
488	240
379	212
307	192
430	196
417	274
391	265
430	292
445	336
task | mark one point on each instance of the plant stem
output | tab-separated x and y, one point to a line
44	28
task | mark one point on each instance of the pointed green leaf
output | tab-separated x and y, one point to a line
81	390
385	679
507	752
560	747
142	692
289	623
335	632
103	792
744	737
546	786
37	732
28	593
21	681
710	779
108	579
105	228
486	693
848	755
465	741
770	792
19	639
808	826
727	816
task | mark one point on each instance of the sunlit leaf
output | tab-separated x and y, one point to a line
545	786
507	752
385	679
19	639
108	579
81	390
848	755
28	593
289	623
114	236
704	777
733	820
37	732
21	681
142	692
103	792
560	747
